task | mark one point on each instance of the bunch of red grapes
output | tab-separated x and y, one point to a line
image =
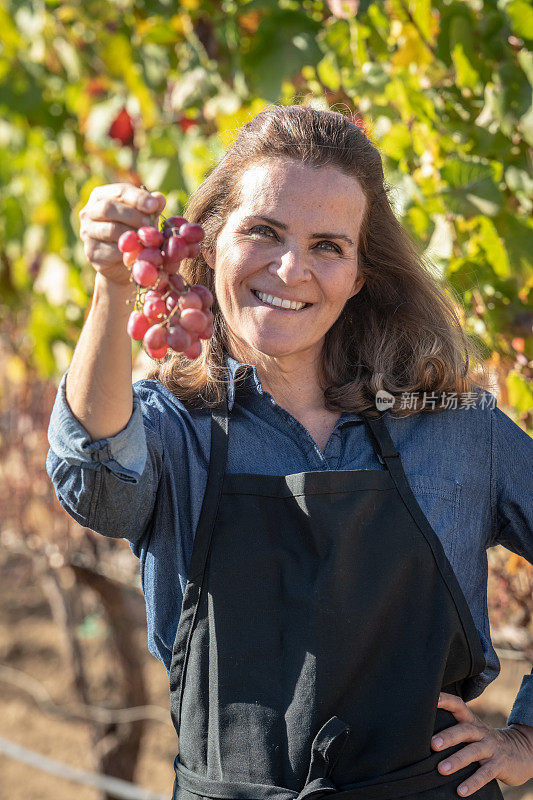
168	312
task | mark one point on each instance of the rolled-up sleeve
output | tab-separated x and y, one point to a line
512	493
107	485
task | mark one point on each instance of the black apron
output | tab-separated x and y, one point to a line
320	621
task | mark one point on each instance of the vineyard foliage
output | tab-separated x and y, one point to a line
152	92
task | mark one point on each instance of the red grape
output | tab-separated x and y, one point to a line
193	250
174	222
192	319
137	325
150	236
144	273
171	267
192	232
179	339
174	250
154	307
207	332
194	350
155	337
172	315
151	254
162	284
172	300
153	353
205	294
191	300
128	241
129	259
176	283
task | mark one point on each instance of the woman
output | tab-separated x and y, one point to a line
324	598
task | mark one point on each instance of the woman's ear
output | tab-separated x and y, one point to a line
358	285
209	258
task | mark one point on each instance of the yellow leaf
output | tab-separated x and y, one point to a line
411	50
229	124
118	57
15	369
177	23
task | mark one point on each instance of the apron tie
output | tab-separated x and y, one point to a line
325	751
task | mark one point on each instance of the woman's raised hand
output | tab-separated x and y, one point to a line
110	211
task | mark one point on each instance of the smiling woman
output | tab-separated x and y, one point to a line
261	269
314	570
298	210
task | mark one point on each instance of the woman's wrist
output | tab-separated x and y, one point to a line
116	293
524	733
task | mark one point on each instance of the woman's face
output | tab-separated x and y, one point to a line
294	236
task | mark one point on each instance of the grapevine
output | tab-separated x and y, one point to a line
168	312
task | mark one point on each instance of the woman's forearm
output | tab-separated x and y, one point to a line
98	385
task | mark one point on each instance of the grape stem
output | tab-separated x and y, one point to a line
166	322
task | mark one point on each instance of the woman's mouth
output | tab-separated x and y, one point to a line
263	300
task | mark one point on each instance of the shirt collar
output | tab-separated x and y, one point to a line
234	367
249	370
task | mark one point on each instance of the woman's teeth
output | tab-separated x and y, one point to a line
277	301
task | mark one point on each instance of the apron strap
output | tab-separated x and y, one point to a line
200	553
388	455
380	438
325	751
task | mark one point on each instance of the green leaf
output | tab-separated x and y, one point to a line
471	188
328	72
397	142
520	183
422	17
119	58
494	248
520	392
419	223
520	13
518	237
463	54
287	37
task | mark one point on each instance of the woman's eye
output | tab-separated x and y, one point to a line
266	230
261	228
331	246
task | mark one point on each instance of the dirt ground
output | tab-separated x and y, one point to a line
30	644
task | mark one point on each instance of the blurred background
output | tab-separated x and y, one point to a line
152	92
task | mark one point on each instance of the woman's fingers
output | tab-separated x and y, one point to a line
477	751
481	777
102	253
116	211
110	211
129	195
124	203
505	754
457	706
463	732
103	231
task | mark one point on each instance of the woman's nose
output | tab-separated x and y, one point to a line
291	267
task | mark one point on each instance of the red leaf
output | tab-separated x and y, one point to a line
122	128
185	123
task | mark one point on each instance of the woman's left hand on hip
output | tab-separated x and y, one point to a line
503	753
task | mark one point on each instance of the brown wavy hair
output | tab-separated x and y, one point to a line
401	332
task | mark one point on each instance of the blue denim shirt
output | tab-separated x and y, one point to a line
470	469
